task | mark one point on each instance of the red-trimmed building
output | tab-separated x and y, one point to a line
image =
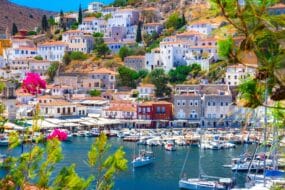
160	113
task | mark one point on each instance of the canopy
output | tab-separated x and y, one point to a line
274	173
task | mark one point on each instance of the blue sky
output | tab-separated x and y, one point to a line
56	5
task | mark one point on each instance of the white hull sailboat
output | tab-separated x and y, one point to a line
144	158
201	184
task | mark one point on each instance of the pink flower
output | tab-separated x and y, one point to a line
33	83
56	133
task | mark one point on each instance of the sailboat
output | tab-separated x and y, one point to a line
204	182
144	158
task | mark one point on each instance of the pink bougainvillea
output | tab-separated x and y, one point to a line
33	84
56	133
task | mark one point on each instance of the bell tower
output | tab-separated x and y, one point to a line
8	97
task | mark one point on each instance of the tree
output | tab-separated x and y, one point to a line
102	50
120	3
66	58
14	29
174	21
160	80
78	55
127	77
51	21
183	21
180	73
95	92
226	50
61	20
80	15
51	72
45	25
124	52
261	36
98	35
139	33
38	57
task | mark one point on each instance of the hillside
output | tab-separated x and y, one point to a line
24	17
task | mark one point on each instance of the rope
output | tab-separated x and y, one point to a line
184	164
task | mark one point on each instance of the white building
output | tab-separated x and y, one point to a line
202	27
153	60
39	66
21	48
95	7
124	17
235	74
150	28
84	43
146	91
52	51
93	24
172	54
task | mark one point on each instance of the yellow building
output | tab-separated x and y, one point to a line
4	43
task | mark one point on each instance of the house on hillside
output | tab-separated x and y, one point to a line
52	51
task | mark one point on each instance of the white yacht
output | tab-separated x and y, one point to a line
202	184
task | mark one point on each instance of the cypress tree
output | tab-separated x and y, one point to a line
139	33
80	15
14	29
183	20
44	23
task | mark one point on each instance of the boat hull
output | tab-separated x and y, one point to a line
184	184
137	164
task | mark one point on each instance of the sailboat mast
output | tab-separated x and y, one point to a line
265	130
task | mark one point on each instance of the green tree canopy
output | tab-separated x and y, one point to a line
174	21
95	92
51	72
261	35
45	25
160	80
80	16
14	29
127	77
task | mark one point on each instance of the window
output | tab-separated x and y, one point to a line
214	103
227	103
222	103
162	109
196	102
222	115
178	103
158	109
191	103
209	103
58	110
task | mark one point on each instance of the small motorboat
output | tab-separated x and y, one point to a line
95	132
144	158
4	140
169	146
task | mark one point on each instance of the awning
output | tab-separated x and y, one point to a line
143	122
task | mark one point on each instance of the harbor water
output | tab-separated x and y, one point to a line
164	173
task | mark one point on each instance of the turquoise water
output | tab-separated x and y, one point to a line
57	5
164	173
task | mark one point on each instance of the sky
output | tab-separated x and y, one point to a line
57	5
